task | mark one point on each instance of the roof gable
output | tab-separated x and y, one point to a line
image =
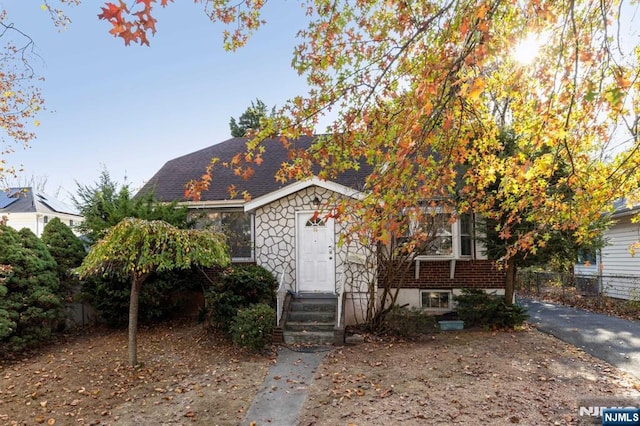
168	184
298	186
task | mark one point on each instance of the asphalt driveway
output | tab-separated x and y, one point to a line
612	339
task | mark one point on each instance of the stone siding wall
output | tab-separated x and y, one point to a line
275	241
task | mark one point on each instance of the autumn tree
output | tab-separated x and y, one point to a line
250	120
21	97
137	248
423	87
559	245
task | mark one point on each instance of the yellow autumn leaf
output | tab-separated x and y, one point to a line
477	88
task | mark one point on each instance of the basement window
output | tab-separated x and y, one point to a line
436	299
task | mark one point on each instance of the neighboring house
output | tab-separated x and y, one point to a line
278	230
26	208
615	269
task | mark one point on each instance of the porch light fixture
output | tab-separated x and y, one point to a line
315	201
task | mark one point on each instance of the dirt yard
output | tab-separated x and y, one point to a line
468	377
192	378
187	377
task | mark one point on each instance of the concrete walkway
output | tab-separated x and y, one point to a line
612	339
282	394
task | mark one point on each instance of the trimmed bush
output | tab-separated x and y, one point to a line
237	288
479	308
252	327
408	322
30	305
68	252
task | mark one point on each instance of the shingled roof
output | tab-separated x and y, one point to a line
168	183
27	200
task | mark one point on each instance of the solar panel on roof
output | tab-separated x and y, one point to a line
56	205
7	198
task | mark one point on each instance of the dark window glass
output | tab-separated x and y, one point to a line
435	299
236	226
466	232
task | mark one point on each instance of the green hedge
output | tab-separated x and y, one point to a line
238	288
479	308
252	327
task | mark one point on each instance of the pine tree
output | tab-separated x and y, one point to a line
67	250
30	307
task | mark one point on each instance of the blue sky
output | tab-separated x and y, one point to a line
133	108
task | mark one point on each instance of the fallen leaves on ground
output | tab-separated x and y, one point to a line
190	377
187	375
569	296
469	377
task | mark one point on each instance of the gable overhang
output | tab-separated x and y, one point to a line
624	212
299	186
213	204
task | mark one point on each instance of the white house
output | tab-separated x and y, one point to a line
26	208
616	267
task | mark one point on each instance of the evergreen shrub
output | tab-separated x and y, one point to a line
408	322
239	287
252	327
479	308
30	303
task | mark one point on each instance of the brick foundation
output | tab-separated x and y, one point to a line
468	274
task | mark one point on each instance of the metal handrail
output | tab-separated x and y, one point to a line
280	295
339	291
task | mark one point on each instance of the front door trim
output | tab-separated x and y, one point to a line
322	263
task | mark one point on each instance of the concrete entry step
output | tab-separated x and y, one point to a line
314	304
310	326
311	319
308	337
312	316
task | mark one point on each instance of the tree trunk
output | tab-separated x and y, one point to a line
510	281
136	284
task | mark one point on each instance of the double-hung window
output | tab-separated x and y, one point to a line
587	257
465	223
435	234
442	235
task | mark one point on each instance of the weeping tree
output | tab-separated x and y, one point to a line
138	248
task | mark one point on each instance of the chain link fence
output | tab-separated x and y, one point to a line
611	294
540	283
568	284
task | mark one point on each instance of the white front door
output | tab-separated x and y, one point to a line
315	261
